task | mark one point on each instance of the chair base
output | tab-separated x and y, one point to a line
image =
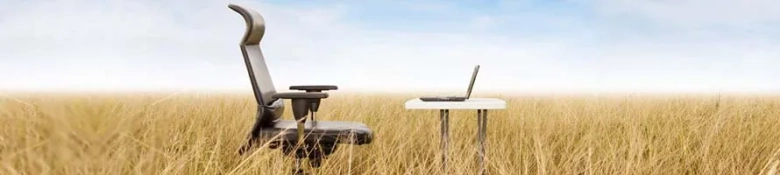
314	152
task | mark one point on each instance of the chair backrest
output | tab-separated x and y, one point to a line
253	57
269	109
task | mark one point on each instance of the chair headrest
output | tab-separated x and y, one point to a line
255	25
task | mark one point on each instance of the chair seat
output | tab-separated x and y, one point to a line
330	132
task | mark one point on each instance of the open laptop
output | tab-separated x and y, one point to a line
456	98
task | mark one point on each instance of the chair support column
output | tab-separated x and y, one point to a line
300	109
300	146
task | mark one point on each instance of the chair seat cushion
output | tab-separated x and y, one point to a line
331	132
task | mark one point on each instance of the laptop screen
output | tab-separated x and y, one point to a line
473	78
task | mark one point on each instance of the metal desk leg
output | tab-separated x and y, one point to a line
481	134
445	122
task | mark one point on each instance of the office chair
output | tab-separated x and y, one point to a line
300	138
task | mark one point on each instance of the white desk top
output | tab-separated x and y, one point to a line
471	103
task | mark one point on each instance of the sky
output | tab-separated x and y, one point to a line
398	45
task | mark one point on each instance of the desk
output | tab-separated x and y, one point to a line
480	104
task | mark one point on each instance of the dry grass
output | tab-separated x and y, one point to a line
200	134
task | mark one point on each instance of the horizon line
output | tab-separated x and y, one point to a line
401	91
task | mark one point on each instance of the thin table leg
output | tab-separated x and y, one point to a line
445	115
481	134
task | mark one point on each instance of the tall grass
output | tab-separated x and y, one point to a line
201	133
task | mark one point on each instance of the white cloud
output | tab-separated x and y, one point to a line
138	45
84	45
695	12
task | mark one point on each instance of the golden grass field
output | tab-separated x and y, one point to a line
199	133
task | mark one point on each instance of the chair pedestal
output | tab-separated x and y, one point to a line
314	152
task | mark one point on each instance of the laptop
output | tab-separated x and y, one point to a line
456	98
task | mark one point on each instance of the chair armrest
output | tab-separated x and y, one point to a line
301	102
314	88
301	95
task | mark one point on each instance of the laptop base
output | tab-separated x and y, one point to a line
443	98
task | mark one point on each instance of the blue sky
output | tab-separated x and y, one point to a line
522	45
